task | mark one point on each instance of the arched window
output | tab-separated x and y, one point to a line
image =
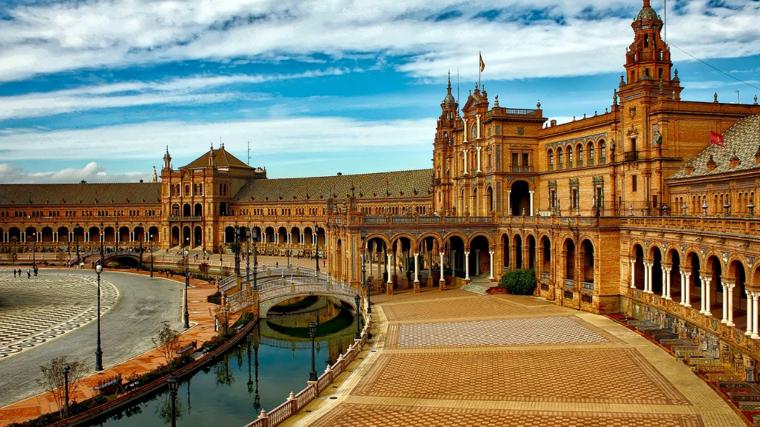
569	157
579	155
559	158
550	159
602	152
590	154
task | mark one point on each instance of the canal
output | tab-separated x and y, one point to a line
259	372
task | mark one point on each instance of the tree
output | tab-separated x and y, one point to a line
54	381
167	341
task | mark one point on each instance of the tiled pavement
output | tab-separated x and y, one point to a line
35	310
357	415
522	331
495	361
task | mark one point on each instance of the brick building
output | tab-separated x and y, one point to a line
632	209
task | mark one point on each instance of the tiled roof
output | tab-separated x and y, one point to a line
222	159
73	194
741	141
407	184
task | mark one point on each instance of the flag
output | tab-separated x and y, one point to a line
716	139
482	64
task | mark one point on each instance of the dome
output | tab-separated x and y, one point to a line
449	99
647	14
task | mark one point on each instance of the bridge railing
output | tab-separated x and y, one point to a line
264	271
296	402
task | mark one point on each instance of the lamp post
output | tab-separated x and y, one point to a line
98	350
357	300
34	250
237	251
366	286
312	335
102	238
66	370
248	255
187	284
173	386
316	241
150	249
255	237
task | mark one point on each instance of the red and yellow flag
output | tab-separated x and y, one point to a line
716	139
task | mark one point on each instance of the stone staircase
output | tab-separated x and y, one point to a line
478	285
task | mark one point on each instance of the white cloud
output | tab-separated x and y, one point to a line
565	40
184	91
91	172
186	140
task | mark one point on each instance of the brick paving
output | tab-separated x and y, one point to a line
510	361
36	310
526	331
613	375
357	415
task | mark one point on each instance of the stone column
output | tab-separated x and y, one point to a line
416	272
441	281
490	275
633	273
479	167
389	268
666	283
687	289
647	278
509	202
467	265
750	314
730	288
754	315
531	202
706	285
466	168
724	305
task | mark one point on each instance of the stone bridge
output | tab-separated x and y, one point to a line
276	285
92	256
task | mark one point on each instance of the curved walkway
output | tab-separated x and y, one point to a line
40	308
454	358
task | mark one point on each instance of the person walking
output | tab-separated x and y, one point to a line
14	273
28	274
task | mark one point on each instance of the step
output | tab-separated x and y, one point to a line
477	287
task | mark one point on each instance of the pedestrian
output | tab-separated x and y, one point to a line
14	273
28	274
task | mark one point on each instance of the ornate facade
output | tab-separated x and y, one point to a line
629	210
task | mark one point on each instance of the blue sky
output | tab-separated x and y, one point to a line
95	90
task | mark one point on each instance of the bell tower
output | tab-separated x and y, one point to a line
648	62
443	150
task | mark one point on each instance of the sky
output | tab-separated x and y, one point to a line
97	89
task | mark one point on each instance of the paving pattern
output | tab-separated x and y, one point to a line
526	331
350	415
34	311
447	309
609	375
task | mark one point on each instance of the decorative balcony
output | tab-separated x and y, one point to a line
630	156
175	218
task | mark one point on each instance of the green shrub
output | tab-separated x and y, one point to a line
519	282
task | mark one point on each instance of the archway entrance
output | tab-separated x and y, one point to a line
480	258
519	199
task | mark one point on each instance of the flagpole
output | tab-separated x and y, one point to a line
480	55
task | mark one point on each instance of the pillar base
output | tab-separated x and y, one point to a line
748	333
755	337
389	288
416	286
707	314
723	321
467	281
730	324
669	298
441	285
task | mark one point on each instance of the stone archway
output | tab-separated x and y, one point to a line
519	199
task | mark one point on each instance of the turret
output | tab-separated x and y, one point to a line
167	160
648	57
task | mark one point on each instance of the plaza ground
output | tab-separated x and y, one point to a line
455	358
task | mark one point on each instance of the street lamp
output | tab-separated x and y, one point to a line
237	251
173	387
357	300
366	286
66	370
312	335
150	249
98	350
187	284
102	237
248	255
316	250
255	237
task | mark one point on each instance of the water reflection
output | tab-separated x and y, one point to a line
273	360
